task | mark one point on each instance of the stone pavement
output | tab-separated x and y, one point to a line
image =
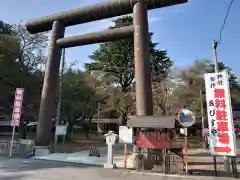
30	169
83	157
199	159
202	163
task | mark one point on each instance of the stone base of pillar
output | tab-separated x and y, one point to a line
41	151
110	166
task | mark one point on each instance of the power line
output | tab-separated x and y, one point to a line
225	20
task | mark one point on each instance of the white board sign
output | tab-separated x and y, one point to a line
61	130
222	138
125	135
184	131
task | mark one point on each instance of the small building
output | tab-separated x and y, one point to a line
152	132
155	134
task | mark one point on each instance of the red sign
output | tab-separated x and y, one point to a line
17	107
221	120
152	139
223	149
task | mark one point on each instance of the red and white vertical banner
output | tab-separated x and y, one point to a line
17	107
222	140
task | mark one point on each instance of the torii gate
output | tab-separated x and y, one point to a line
58	22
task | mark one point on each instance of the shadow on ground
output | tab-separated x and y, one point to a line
19	164
220	173
204	163
12	177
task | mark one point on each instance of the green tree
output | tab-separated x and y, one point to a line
222	66
79	99
116	59
191	80
19	66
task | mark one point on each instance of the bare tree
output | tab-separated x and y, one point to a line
32	47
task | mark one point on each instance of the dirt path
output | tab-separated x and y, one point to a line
80	143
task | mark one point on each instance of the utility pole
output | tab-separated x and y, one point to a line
59	98
215	62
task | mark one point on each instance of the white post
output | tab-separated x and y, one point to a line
111	140
110	154
186	150
13	133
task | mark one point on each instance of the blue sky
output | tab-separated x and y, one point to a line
186	30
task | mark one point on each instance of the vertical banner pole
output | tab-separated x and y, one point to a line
13	133
186	118
16	114
63	139
215	165
186	150
202	111
125	156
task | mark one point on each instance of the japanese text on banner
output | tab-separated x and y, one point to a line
17	107
219	110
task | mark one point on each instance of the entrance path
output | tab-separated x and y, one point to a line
30	169
199	159
84	158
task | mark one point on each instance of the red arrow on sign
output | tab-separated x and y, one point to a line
223	149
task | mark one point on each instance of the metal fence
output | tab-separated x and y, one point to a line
20	147
167	163
152	160
199	161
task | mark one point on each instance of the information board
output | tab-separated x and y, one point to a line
125	135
